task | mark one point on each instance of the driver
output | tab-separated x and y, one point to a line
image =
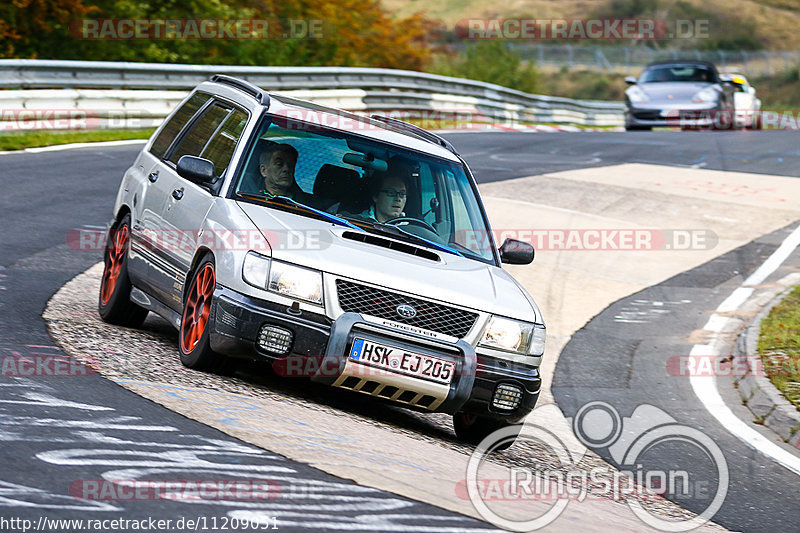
389	199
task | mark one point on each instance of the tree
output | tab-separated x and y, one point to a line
353	33
37	28
493	62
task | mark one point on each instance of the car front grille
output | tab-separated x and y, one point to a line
380	303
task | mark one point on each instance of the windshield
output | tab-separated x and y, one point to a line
376	187
677	73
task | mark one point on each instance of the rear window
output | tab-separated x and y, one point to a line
176	124
201	131
219	149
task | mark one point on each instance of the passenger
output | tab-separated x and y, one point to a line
276	165
388	200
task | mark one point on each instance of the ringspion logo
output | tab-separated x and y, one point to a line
642	446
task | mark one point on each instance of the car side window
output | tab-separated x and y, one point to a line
201	131
219	149
176	124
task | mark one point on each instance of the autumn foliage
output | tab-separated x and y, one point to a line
354	33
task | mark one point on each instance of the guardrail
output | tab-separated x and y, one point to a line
626	60
139	94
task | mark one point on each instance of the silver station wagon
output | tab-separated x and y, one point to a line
348	250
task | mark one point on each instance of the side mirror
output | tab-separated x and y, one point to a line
516	252
197	170
630	80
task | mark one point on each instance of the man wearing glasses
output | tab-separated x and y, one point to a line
389	200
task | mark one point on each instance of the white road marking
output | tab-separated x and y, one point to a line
72	146
648	311
705	387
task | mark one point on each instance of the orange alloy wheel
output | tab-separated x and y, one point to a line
113	263
198	307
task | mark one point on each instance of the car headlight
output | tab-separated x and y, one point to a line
289	280
256	269
706	95
513	336
636	95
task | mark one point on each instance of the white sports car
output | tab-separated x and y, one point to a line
745	102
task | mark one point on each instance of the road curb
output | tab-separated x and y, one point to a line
763	399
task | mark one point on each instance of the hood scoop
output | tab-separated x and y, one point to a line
390	244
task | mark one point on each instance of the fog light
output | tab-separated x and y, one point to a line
275	340
507	397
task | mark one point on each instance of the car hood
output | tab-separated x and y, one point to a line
454	279
672	92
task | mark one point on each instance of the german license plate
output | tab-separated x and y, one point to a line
402	362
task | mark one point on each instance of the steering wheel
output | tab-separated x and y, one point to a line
414	222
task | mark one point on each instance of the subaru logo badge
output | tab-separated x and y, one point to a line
406	311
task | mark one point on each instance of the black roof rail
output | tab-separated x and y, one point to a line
320	107
243	85
415	130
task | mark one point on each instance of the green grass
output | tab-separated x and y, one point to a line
779	346
781	91
34	139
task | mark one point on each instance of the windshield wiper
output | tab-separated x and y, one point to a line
396	231
285	200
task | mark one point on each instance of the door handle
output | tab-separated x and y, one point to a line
153	177
177	193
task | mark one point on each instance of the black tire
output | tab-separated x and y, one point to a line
193	337
757	124
472	429
638	128
114	303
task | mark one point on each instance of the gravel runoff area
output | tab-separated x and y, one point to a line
150	354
